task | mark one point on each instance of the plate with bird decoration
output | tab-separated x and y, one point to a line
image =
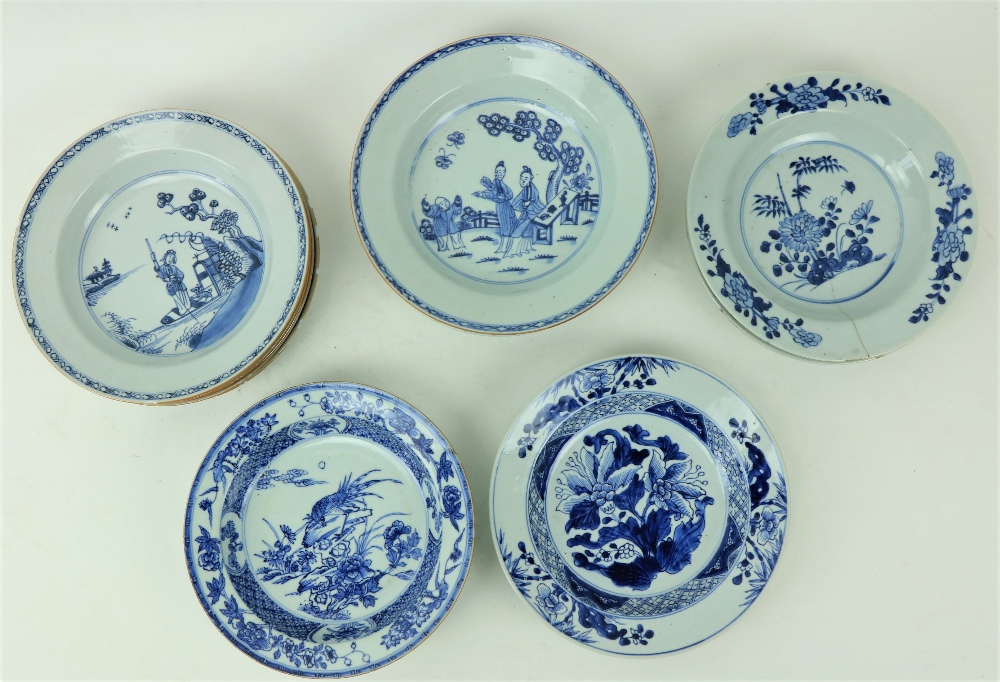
639	506
504	184
329	530
163	257
831	216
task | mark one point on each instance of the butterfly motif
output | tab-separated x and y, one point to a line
443	160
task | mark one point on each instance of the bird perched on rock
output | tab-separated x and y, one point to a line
332	516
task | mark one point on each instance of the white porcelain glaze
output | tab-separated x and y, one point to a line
831	216
504	184
639	505
329	530
161	255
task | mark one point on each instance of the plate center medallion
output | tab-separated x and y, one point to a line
335	528
822	222
171	263
505	190
635	505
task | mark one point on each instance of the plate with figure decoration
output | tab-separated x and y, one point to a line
831	216
639	506
504	184
329	530
164	257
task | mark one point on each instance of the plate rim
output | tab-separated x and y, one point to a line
520	327
245	368
775	450
693	215
191	504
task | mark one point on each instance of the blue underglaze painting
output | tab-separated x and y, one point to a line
815	212
805	97
182	288
444	159
769	513
948	250
89	261
339	557
745	298
580	388
802	234
564	612
635	506
520	198
636	503
313	564
638	485
362	219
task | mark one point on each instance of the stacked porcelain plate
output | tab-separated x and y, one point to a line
501	184
164	257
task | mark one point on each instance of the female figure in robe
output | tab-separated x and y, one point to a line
499	193
530	204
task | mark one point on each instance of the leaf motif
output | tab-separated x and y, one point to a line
629	498
584	515
577	483
677	470
688	490
677	504
621	477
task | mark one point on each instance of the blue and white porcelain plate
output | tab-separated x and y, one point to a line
329	530
639	505
162	257
504	184
831	216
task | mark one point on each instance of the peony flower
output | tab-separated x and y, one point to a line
949	243
739	123
801	232
738	289
590	484
805	338
807	97
549	601
766	525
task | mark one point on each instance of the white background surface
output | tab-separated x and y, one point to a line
890	565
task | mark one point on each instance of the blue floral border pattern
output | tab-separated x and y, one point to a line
565	613
527	326
245	628
769	513
744	297
768	508
808	96
593	383
948	247
36	197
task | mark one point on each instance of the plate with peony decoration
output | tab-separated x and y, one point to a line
329	530
504	184
164	257
832	216
639	505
